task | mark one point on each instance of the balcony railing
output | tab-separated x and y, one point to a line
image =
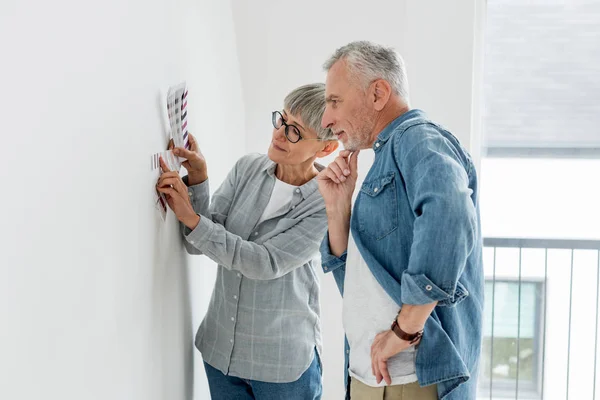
541	319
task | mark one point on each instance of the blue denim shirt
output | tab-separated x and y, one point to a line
416	224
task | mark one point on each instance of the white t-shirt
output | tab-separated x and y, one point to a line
368	310
280	197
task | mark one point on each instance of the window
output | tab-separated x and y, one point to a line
512	339
541	134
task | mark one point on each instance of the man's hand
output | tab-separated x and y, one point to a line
385	346
195	163
336	184
337	181
171	184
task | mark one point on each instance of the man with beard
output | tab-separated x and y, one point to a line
411	270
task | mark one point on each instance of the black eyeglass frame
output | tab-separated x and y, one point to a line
275	116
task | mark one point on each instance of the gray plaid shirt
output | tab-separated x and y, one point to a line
263	319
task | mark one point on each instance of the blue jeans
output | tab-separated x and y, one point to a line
225	387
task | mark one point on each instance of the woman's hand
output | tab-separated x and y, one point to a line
175	190
195	164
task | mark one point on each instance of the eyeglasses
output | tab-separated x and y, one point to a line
291	132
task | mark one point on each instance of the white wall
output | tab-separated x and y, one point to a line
282	45
94	289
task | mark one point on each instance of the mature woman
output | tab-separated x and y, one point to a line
260	338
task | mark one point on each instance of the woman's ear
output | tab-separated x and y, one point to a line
329	148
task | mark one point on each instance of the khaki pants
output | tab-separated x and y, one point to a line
411	391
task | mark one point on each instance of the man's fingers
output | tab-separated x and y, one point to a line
354	163
378	376
335	168
374	350
373	366
171	145
374	356
384	371
341	163
374	346
331	175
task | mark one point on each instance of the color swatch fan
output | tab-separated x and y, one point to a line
177	111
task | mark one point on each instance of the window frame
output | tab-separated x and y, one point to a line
506	387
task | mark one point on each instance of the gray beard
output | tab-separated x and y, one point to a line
357	143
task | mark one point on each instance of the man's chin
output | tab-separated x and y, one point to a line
350	146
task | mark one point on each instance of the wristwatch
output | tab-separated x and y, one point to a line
412	338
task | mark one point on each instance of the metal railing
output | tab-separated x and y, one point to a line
521	244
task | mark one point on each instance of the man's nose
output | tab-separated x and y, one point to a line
327	120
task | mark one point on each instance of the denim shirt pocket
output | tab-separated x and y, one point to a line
377	206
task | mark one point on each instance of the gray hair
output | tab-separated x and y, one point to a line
368	61
308	103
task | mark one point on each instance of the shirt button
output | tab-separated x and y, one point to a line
428	287
231	340
377	144
325	268
233	319
375	190
293	207
239	275
347	351
297	190
190	194
255	233
235	296
192	242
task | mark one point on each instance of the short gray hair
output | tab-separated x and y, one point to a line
368	61
308	103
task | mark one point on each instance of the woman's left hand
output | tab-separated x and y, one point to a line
176	192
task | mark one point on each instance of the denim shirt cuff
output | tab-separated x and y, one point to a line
418	290
329	261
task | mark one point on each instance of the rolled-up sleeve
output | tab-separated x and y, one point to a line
331	263
444	230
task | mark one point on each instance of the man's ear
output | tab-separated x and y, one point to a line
381	93
329	148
